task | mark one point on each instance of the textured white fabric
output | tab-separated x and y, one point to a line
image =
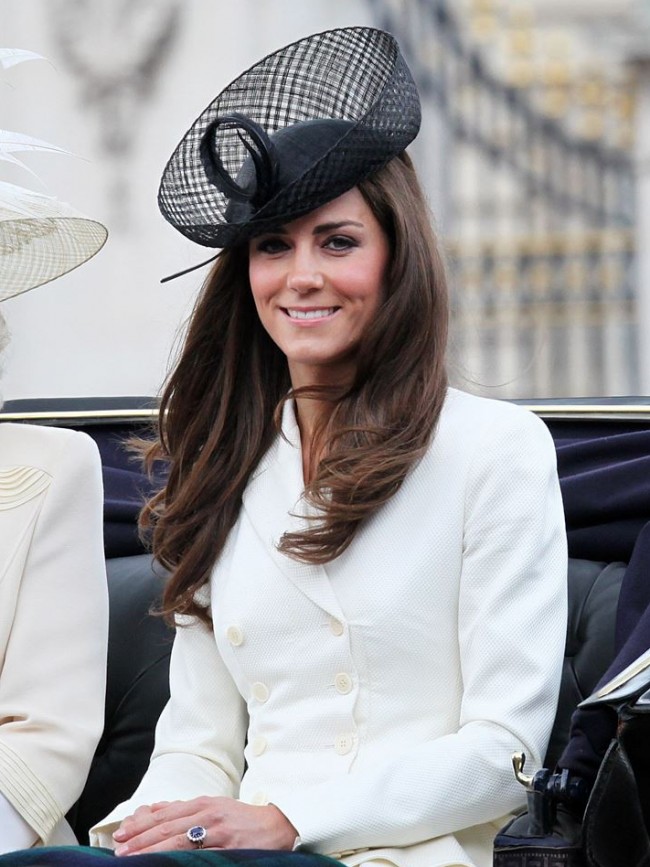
53	621
15	833
397	680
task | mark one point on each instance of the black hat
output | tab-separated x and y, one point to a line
298	129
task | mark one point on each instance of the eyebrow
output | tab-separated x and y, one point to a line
318	230
322	227
329	227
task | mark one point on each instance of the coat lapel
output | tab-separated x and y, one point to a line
272	501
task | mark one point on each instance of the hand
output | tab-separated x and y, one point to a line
230	824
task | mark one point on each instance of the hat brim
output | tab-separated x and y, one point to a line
41	239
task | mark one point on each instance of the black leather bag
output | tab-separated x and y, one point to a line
565	825
615	831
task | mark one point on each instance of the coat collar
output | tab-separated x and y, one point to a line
273	502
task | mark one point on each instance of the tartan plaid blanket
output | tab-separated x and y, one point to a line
85	856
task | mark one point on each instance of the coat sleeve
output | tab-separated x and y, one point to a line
53	679
511	634
16	833
200	735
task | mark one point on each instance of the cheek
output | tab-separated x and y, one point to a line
375	277
254	280
260	285
365	282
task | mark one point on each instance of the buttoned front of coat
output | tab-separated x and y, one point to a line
380	696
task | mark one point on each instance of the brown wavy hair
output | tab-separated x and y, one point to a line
221	405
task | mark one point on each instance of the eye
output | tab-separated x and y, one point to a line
340	243
271	245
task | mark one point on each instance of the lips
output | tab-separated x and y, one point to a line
313	313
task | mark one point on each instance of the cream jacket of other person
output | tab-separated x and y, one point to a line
378	699
53	628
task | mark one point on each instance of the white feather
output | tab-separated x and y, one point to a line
17	142
13	56
13	142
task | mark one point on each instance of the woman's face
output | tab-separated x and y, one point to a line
317	283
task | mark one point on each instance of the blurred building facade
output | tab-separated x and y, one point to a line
540	189
535	152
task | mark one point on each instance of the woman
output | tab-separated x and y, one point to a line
363	558
53	599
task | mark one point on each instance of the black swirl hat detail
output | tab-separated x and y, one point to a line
296	130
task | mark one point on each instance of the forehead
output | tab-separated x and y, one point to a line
351	206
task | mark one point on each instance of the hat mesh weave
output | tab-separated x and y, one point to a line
353	74
41	238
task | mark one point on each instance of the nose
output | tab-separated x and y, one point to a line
304	275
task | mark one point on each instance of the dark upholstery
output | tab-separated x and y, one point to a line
136	691
593	590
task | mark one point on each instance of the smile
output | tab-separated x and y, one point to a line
320	313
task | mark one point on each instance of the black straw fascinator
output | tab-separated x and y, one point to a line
296	130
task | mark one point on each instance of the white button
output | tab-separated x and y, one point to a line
260	691
343	683
258	745
259	799
336	627
343	744
234	635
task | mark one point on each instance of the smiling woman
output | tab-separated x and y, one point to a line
359	554
318	285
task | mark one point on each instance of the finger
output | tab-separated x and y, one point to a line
146	818
168	836
177	843
124	829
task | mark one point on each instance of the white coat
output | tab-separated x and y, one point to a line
53	627
382	695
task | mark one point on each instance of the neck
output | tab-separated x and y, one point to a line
311	412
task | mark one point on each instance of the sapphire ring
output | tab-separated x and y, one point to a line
196	835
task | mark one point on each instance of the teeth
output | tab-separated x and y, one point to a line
310	314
